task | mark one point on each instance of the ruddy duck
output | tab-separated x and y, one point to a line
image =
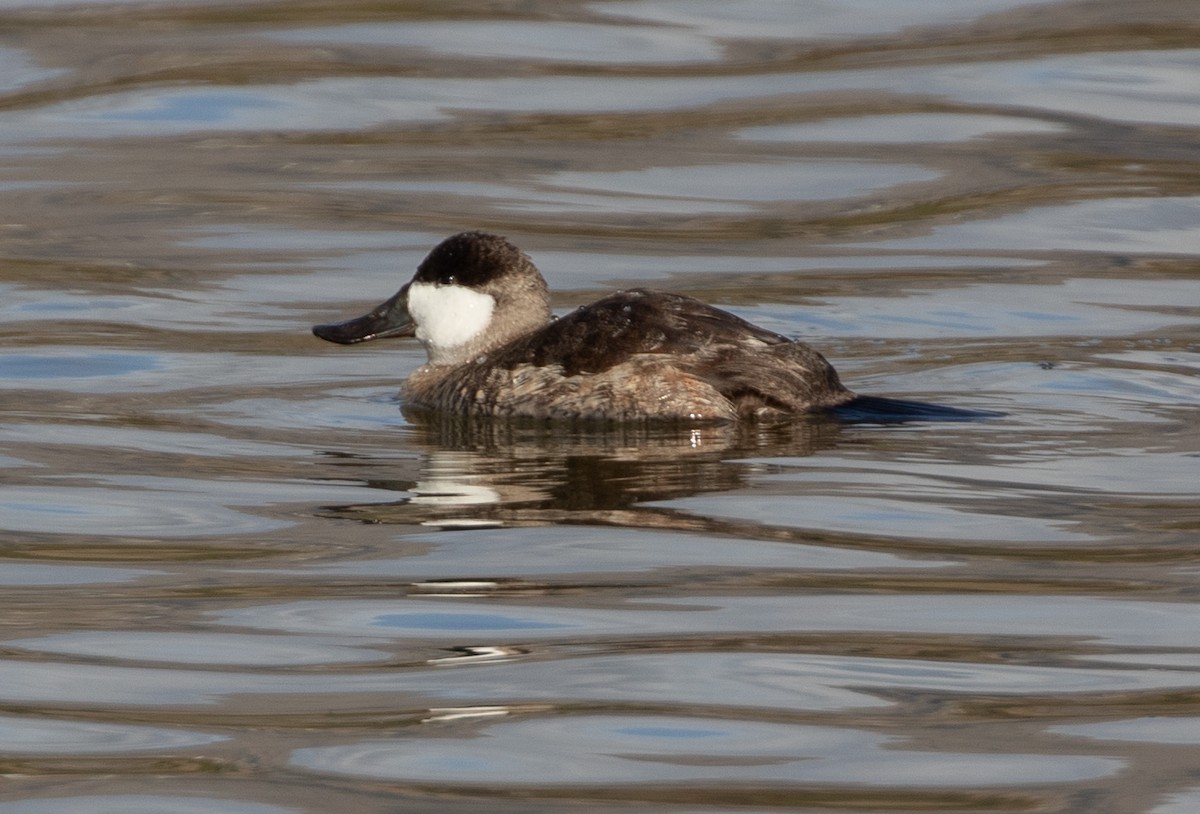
482	310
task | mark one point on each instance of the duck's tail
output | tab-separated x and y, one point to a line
877	410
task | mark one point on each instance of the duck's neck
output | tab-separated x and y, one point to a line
503	328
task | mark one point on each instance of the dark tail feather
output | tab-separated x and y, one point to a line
876	410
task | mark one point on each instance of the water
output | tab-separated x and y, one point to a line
235	579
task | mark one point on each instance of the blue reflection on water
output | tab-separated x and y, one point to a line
194	107
30	366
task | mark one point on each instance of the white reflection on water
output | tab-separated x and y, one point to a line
588	749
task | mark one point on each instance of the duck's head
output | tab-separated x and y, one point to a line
474	292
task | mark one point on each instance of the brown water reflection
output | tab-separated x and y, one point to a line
237	579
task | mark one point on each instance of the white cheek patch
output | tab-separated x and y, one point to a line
447	316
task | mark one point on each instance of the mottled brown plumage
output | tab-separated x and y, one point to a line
633	355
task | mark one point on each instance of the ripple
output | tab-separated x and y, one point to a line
667	190
18	69
1074	307
21	574
139	804
1038	481
54	365
574	551
1187	802
355	408
180	647
1153	86
1144	659
758	182
143	440
548	198
608	750
795	682
122	512
111	371
1156	86
1134	225
526	40
161	507
778	19
879	517
382	260
42	737
356	103
243	164
930	128
1185	731
1147	624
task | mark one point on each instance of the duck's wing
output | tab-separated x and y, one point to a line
754	370
613	330
789	377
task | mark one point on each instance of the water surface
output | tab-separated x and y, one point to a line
237	579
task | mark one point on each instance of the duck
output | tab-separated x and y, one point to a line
481	309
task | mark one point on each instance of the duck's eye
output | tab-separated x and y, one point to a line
451	279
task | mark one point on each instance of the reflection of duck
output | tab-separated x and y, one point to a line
481	472
482	311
